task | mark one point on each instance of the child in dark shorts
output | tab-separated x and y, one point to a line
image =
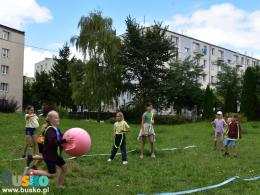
52	151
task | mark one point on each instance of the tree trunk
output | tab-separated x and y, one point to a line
99	113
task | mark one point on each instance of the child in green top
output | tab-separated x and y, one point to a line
147	130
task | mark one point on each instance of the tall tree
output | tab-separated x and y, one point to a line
144	54
43	88
228	77
208	103
248	97
100	46
61	77
184	84
27	93
230	100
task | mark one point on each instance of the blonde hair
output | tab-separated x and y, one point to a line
121	114
50	115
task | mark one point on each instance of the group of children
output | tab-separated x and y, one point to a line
228	133
50	140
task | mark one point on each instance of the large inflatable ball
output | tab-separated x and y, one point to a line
80	143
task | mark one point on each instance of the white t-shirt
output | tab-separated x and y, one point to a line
31	121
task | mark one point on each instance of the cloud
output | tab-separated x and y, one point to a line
221	24
16	14
32	56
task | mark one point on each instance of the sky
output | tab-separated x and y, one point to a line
48	24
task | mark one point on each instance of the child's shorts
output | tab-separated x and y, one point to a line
230	142
30	131
51	165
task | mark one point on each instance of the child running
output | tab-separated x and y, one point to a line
232	135
52	151
31	123
120	128
219	124
147	130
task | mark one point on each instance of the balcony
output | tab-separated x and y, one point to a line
239	64
220	59
198	52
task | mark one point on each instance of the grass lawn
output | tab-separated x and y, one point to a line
171	171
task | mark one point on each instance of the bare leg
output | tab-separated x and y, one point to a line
26	144
235	151
222	144
152	144
40	172
61	176
142	146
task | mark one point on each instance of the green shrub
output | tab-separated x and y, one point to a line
8	105
63	112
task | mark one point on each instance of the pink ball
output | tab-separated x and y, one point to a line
80	144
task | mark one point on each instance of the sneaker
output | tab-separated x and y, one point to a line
109	160
153	155
125	162
141	156
25	171
29	160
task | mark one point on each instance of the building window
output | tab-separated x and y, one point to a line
213	51
187	50
219	68
204	63
212	79
254	63
205	50
204	78
5	35
174	40
242	60
229	61
196	46
4	69
247	62
220	54
4	87
5	53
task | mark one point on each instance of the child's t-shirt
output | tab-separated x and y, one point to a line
148	117
31	121
220	124
120	127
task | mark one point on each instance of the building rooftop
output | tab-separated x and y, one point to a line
12	29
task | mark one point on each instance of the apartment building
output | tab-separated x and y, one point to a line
11	63
44	65
210	56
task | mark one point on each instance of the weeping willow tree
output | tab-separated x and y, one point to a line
98	79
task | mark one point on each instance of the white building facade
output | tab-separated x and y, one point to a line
44	65
210	55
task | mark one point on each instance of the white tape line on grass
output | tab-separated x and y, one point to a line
91	155
209	187
171	149
86	155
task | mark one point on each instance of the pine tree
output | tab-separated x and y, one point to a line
230	100
208	103
61	78
249	98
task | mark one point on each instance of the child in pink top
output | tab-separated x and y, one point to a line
219	125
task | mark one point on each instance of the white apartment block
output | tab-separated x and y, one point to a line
11	63
210	55
44	65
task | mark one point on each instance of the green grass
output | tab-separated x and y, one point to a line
171	171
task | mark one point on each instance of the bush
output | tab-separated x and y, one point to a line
8	105
171	119
63	112
241	117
